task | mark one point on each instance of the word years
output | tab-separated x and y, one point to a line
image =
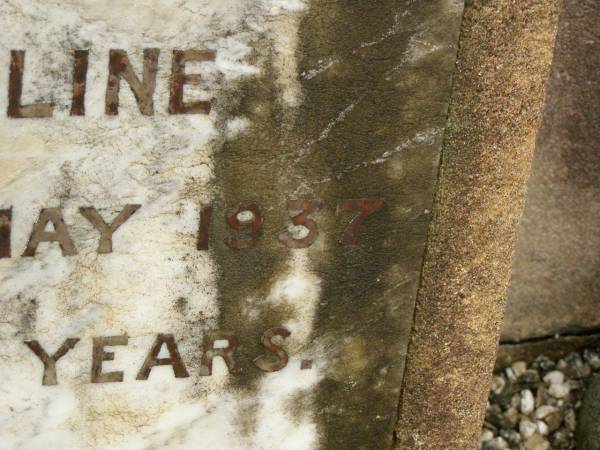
215	344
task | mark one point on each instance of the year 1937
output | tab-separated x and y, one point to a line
245	221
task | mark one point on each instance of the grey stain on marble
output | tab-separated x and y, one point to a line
393	65
374	84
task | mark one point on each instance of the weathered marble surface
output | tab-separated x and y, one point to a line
555	284
311	99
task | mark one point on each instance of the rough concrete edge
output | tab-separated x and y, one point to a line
505	52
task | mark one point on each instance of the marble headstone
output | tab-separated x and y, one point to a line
213	216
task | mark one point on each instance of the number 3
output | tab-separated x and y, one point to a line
306	207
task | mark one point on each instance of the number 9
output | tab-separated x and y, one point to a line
249	226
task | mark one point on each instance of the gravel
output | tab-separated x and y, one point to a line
533	406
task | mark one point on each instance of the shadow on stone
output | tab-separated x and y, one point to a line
588	423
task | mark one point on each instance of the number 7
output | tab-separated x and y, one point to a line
365	207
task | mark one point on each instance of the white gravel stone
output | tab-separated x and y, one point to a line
559	390
527	402
515	401
510	374
592	358
498	384
537	442
544	411
527	428
519	368
554	377
498	443
486	435
542	427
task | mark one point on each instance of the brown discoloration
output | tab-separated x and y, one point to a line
306	364
365	207
49	362
5	232
204	227
245	278
269	365
303	208
250	228
80	68
181	305
99	356
503	64
107	231
119	67
179	78
227	353
174	360
60	233
15	91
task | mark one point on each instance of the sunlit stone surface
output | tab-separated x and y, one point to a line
314	99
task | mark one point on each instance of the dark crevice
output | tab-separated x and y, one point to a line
592	332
